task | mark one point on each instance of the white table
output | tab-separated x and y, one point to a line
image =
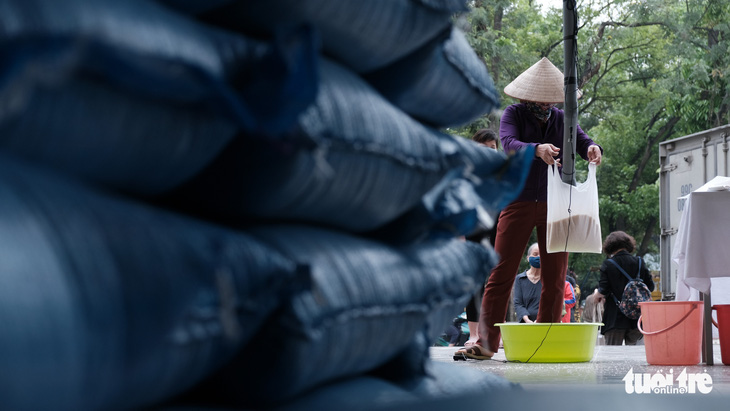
702	249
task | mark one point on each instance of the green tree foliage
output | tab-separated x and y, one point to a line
650	70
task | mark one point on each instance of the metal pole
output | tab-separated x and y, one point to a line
570	28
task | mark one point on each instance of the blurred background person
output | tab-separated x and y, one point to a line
527	288
617	328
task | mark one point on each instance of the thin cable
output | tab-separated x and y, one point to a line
541	342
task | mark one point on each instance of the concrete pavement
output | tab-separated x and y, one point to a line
604	378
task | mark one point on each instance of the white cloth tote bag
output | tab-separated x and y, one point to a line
573	224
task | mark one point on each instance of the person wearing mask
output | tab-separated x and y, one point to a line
527	288
536	122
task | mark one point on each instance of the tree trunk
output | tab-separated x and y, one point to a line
651	146
643	248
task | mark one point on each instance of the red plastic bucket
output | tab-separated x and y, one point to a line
673	332
723	329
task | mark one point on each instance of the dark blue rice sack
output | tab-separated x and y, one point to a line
466	198
444	83
108	304
448	379
366	304
363	35
195	7
355	162
136	96
444	382
457	205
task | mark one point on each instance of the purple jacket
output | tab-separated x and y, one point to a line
518	128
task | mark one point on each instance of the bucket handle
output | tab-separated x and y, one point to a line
713	320
638	323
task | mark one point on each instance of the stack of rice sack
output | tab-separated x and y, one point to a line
238	203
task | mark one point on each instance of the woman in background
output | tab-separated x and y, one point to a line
527	288
619	329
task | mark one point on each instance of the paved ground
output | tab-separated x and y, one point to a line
601	380
608	367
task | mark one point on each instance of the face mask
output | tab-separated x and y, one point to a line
539	111
534	261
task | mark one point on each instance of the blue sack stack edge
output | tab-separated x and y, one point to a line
111	304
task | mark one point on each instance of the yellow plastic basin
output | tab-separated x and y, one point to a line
549	342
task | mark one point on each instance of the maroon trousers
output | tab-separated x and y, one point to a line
515	225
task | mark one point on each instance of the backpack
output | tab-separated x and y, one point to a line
634	293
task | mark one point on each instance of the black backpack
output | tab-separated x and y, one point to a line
634	293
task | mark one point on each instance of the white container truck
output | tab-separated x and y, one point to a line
686	163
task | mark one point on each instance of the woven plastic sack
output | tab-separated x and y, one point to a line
363	35
195	6
468	197
108	304
138	97
366	304
355	162
444	83
443	382
573	222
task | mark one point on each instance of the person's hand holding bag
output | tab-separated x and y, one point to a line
595	155
547	152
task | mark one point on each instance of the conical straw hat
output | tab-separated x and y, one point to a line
542	83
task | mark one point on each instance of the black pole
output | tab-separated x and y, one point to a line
570	32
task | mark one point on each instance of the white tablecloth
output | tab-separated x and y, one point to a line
702	246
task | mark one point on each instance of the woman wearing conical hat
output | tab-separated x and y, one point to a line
537	122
